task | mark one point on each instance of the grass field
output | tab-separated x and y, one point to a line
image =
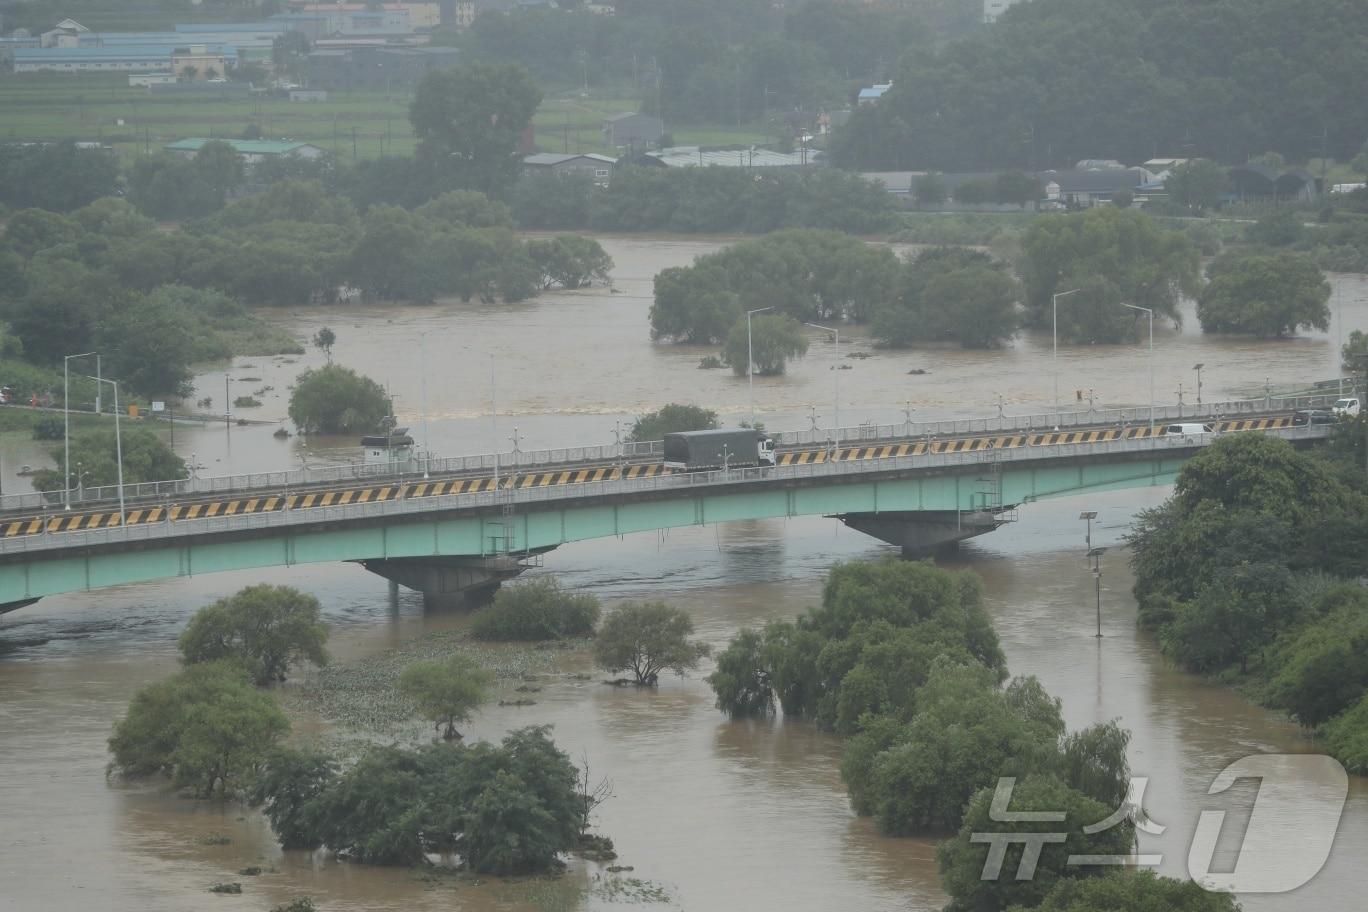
102	107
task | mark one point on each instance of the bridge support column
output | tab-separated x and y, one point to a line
923	532
448	582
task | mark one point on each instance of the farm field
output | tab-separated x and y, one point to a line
351	125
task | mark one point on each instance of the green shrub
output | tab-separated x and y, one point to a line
536	610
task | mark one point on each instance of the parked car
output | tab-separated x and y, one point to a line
1348	407
1313	416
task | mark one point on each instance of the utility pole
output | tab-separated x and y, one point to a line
1096	555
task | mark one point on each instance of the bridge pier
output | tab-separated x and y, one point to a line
448	582
924	532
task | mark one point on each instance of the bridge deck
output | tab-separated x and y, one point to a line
208	506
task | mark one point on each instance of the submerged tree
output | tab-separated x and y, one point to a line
266	628
647	638
446	691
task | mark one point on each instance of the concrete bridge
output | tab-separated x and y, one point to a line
476	521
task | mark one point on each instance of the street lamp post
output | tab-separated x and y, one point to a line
1151	356
118	444
836	367
1198	369
1054	308
66	422
750	361
1096	555
1089	515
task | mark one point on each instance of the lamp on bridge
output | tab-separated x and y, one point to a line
1096	555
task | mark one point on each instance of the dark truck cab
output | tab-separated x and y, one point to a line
692	451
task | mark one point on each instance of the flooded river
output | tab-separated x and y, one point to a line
710	814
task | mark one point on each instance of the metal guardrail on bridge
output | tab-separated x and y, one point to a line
285	519
519	461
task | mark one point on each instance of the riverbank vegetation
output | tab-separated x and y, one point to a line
1264	295
337	400
505	809
671	419
1249	573
95	460
647	638
538	610
718	200
902	658
266	629
937	116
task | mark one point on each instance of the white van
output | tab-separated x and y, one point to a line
1187	430
1347	408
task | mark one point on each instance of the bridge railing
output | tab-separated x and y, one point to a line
520	461
1015	424
281	519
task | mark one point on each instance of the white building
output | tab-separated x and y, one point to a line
994	8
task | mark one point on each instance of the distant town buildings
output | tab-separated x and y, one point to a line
632	130
251	150
599	167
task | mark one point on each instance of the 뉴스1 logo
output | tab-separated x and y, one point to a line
1300	795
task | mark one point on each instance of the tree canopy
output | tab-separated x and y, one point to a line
469	120
446	691
536	610
1054	82
207	728
265	628
506	809
94	457
647	638
671	419
771	340
337	400
1264	294
1113	256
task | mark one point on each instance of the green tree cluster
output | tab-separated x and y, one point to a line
716	61
536	610
264	628
1221	78
207	728
705	200
808	275
94	460
173	186
1197	185
504	810
672	419
902	657
1264	294
1112	256
469	120
1245	573
446	691
570	261
950	294
768	342
58	177
337	400
152	302
647	638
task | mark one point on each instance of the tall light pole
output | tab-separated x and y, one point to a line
1198	369
1096	555
836	367
1151	356
66	423
750	361
118	444
1054	308
1089	515
422	381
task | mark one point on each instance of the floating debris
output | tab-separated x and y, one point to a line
226	888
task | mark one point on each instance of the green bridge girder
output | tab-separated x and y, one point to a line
544	525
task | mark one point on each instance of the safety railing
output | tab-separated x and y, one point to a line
283	519
519	461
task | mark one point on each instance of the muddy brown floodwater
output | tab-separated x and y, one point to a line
710	814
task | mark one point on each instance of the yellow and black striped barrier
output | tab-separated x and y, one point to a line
267	503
